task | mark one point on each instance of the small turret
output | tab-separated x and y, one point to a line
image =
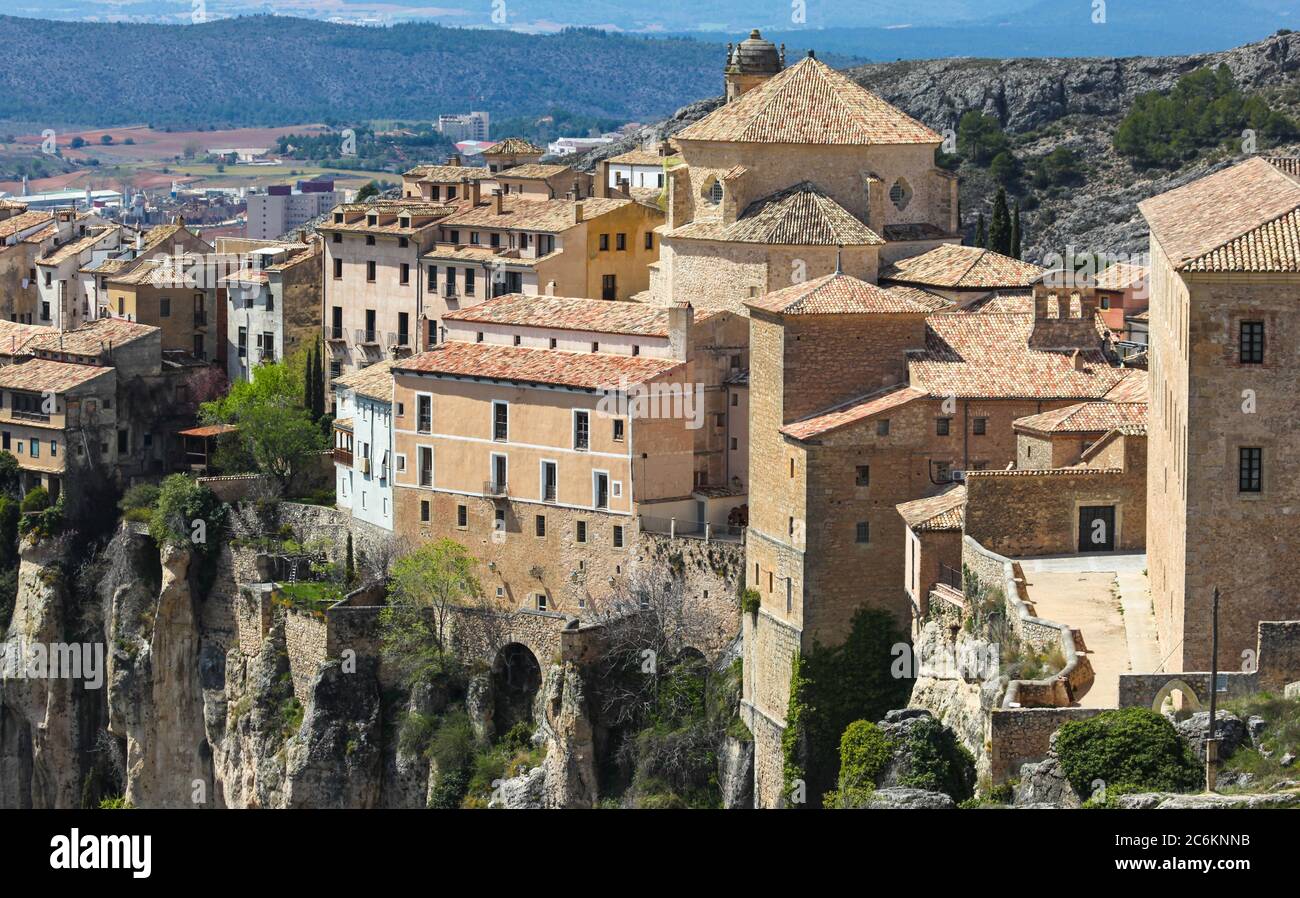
750	63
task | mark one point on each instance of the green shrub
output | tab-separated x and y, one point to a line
940	763
37	499
1130	747
865	751
141	497
750	601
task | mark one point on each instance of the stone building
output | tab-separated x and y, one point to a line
1224	284
273	301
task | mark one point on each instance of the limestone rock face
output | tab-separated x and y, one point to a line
1207	801
736	772
915	731
247	739
334	760
564	722
961	704
40	727
168	757
524	792
903	798
1045	785
1228	728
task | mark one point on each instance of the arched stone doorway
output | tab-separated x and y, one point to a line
1176	699
516	678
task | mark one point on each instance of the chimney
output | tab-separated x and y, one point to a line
1077	359
602	179
496	201
550	288
454	159
680	317
1056	325
577	213
473	191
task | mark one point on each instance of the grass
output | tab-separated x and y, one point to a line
312	595
1281	735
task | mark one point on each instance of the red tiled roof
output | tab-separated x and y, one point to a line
22	221
46	375
799	215
836	294
988	356
373	381
513	146
957	267
810	103
568	313
942	511
583	370
1242	218
208	430
854	410
1085	417
1121	276
91	338
1133	387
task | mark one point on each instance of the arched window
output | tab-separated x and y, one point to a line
713	192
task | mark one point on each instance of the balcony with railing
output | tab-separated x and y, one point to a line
343	456
688	528
496	488
335	334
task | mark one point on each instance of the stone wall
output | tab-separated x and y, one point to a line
711	575
1022	736
1279	654
306	642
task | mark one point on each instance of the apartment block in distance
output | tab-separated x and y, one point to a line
283	208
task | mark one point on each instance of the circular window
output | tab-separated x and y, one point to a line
900	194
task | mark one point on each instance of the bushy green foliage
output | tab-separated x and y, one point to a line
750	601
1206	108
1059	168
37	499
137	503
865	751
9	474
1281	736
980	137
833	687
1132	747
940	763
39	517
183	501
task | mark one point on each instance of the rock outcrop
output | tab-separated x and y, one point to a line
1228	729
564	723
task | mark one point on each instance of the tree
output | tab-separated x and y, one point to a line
366	192
1005	169
980	137
276	432
192	149
77	142
425	588
1015	232
10	475
981	237
181	505
999	239
106	140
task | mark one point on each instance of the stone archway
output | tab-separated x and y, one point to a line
516	679
1190	702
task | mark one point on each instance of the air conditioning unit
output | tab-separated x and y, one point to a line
365	465
957	476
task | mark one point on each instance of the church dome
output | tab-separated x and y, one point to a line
755	56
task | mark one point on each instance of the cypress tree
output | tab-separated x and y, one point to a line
308	380
981	238
1015	231
1000	226
318	397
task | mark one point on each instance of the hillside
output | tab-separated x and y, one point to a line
278	70
1043	104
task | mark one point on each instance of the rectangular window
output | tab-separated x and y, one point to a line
649	240
424	511
1251	345
338	269
608	286
882	427
980	426
618	430
941	426
581	534
500	421
549	478
424	414
462	516
620	242
864	532
36	448
539	525
370	271
403	328
541	601
604	242
581	434
164	308
618	536
864	475
1250	469
433	277
469	281
405	273
425	454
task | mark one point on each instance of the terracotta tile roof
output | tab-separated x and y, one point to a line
988	356
51	230
836	294
932	301
850	412
12	204
21	222
800	215
1288	165
1076	470
443	174
1144	315
247	276
583	370
810	103
91	338
373	381
1239	219
639	157
77	247
45	375
14	335
435	215
208	430
1085	417
549	216
513	146
470	253
1015	302
955	267
568	313
1121	276
1132	387
942	511
535	171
